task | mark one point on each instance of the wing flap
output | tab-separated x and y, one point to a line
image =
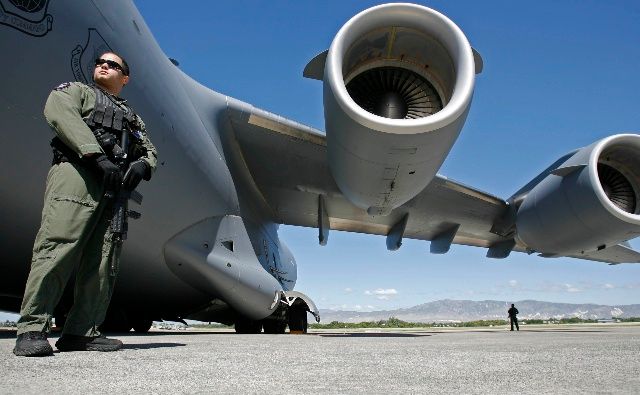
613	255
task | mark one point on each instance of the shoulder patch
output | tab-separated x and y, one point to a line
62	86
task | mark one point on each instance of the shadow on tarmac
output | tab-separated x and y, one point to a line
147	346
7	333
565	330
372	334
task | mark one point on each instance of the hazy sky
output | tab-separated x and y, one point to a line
557	76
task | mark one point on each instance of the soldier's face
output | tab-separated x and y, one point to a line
111	79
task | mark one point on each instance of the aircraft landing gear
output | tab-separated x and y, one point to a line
292	311
117	320
142	325
274	327
246	326
60	319
298	318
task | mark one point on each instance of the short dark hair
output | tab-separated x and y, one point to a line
125	65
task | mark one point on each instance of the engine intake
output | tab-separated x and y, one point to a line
588	203
398	82
394	93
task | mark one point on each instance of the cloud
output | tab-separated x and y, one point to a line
570	288
355	307
348	290
514	286
382	294
565	287
618	286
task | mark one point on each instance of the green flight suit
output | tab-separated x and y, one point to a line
74	233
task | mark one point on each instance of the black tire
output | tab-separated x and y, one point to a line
60	320
142	325
298	319
117	320
274	327
245	326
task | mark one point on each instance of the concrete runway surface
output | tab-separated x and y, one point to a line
601	358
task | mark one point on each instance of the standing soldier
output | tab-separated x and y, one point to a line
75	234
513	313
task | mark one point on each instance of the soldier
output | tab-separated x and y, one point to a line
75	232
513	313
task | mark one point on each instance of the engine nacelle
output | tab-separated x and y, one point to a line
398	82
589	202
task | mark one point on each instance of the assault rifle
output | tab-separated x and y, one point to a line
119	224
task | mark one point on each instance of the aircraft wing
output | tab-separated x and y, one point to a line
288	162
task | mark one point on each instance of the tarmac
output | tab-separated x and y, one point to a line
601	358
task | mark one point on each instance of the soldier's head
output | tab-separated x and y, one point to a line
111	72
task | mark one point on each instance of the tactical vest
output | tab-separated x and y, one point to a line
106	121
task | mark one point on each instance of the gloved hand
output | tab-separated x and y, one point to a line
112	176
135	173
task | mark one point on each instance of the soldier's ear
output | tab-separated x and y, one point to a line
125	79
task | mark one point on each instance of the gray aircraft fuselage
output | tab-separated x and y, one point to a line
195	178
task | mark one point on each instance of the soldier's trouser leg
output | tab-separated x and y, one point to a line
68	217
511	321
515	321
94	282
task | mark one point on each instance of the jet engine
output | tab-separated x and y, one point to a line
398	82
588	203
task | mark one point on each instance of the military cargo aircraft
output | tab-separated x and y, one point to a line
398	81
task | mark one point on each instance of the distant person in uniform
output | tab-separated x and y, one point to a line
75	235
513	316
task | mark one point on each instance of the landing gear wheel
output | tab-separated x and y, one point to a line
59	319
116	321
142	325
274	327
246	326
298	319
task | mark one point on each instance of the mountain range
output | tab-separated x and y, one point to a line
468	310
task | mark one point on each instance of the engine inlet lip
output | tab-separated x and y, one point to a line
628	140
416	17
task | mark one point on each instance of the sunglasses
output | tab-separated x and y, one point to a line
110	64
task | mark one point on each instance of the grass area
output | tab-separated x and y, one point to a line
397	323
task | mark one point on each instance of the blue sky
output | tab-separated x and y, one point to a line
557	76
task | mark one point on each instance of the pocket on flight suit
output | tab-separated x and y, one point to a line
70	217
70	205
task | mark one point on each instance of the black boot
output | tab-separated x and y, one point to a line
86	343
32	344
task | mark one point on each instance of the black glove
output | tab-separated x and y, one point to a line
135	173
112	176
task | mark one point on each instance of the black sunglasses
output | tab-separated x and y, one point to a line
110	64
